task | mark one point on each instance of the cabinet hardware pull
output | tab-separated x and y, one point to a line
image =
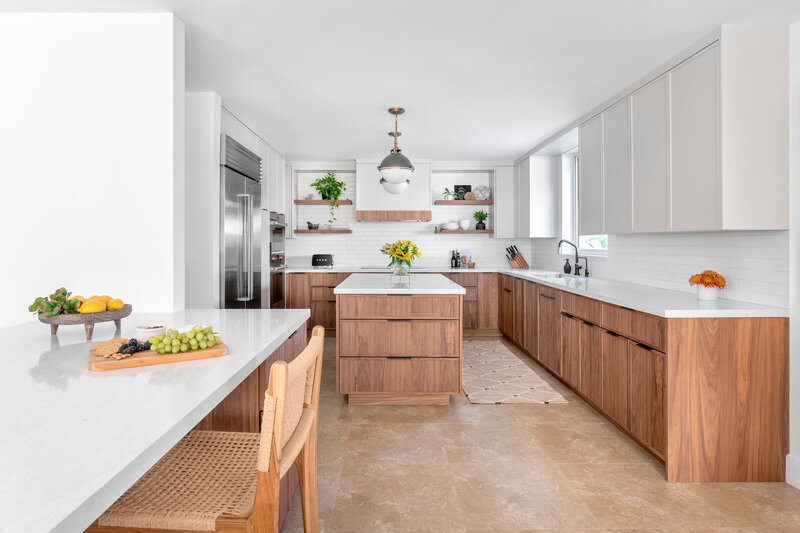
507	290
399	357
543	295
612	333
640	345
567	314
398	319
587	323
290	336
331	300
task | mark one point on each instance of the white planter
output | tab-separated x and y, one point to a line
707	293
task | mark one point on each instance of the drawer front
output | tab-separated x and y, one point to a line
507	282
398	306
382	374
323	314
323	294
642	327
465	280
581	307
549	292
328	280
418	338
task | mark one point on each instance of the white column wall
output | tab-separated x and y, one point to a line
91	158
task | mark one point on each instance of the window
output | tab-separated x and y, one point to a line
588	244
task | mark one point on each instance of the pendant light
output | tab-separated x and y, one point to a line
395	168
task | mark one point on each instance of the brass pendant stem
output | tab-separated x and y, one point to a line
395	149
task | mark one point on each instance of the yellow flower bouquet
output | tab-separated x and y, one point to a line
402	254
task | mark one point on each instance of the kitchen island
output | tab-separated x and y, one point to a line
74	440
398	343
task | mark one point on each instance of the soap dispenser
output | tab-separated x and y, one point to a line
567	267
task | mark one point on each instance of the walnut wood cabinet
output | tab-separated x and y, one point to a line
314	291
707	396
398	348
241	410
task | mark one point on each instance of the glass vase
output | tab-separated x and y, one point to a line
401	273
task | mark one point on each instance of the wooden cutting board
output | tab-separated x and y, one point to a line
149	357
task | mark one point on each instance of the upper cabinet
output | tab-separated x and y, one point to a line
590	170
505	204
702	147
650	156
617	212
525	198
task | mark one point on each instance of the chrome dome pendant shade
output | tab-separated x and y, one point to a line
395	168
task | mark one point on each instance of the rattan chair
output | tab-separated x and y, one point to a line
227	481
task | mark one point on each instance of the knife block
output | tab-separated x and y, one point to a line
519	262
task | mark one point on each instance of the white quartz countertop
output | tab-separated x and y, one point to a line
661	302
76	440
383	284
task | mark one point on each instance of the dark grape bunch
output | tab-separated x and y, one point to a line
133	346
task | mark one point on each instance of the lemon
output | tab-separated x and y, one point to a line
92	306
115	304
105	298
79	298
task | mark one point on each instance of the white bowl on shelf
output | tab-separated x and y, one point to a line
449	225
464	223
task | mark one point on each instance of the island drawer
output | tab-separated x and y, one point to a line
353	306
642	327
384	374
417	338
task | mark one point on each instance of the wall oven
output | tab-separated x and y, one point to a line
277	261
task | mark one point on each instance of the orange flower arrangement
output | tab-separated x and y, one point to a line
708	278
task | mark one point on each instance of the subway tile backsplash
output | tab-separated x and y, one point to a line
754	263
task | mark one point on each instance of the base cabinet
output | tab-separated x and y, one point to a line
571	351
507	305
530	337
648	421
549	328
615	378
591	341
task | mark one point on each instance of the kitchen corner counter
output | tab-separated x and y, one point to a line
76	440
656	301
382	284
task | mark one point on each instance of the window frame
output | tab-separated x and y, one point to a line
574	235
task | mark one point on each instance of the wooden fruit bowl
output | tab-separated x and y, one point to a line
87	319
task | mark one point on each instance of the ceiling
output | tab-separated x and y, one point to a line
479	80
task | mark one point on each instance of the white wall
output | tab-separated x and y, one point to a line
361	247
91	158
755	264
793	460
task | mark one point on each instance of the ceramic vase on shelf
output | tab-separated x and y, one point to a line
707	293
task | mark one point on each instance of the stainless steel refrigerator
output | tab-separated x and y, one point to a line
242	285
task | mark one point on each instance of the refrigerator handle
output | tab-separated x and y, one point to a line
244	281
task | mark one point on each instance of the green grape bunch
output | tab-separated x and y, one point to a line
196	338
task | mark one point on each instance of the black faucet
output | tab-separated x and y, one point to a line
578	267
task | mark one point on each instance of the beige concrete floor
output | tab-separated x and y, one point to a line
513	467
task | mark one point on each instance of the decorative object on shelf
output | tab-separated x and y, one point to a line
465	257
309	196
481	217
330	189
469	196
482	192
709	284
461	191
449	225
463	223
395	168
402	254
471	264
448	194
312	226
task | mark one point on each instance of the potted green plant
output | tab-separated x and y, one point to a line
480	216
330	189
448	194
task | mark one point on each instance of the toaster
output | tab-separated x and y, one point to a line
322	260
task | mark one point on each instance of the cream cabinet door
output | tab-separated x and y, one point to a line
505	202
650	157
617	168
590	177
694	113
523	194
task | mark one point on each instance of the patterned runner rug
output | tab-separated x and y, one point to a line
494	374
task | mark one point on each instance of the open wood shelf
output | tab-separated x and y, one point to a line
323	231
463	202
322	202
466	231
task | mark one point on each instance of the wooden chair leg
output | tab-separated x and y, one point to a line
307	472
266	512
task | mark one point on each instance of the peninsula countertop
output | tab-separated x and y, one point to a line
657	301
383	284
76	440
